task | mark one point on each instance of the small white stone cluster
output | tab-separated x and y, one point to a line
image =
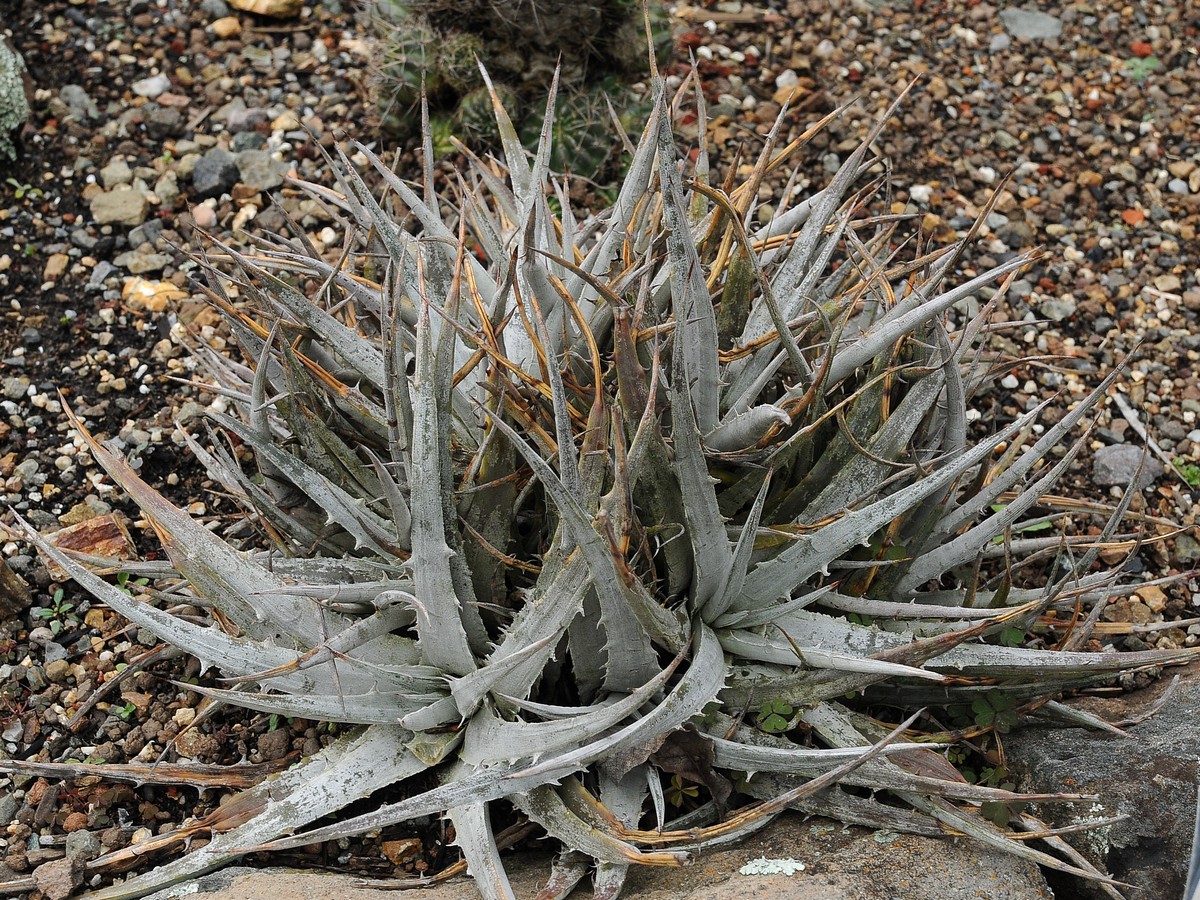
764	866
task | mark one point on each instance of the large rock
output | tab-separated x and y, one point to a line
826	861
1149	777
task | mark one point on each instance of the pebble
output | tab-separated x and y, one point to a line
151	87
1058	308
56	265
1117	465
1031	24
115	173
141	261
15	388
227	27
216	173
120	207
167	190
258	170
57	671
81	106
240	118
205	216
82	843
100	274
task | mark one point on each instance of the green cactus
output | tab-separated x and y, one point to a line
475	115
457	61
591	44
409	51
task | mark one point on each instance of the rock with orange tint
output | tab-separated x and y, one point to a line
144	294
104	536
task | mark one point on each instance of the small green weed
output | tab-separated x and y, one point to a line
1189	471
22	190
680	793
996	711
60	612
124	713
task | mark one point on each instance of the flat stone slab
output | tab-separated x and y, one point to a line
827	862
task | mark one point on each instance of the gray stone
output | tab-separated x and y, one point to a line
247	140
1006	141
147	233
54	654
140	261
81	105
1117	465
258	170
116	172
8	807
1020	289
83	844
163	122
1015	235
81	239
1057	308
151	87
15	386
120	207
239	119
216	173
167	189
35	678
1150	777
839	864
1178	186
1030	24
214	9
1187	549
95	282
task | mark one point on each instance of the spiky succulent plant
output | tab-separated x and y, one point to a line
554	503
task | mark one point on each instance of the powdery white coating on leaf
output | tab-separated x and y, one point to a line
764	866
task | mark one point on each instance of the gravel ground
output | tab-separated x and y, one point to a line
153	119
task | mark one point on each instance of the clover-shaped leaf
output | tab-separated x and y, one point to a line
995	710
774	715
